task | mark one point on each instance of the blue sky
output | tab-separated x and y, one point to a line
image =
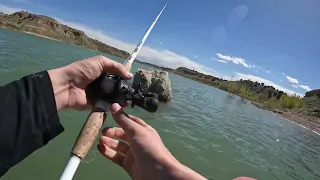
271	41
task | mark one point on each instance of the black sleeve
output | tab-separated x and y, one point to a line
28	118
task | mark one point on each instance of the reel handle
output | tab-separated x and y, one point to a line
150	104
147	101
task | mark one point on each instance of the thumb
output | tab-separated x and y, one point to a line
111	66
124	121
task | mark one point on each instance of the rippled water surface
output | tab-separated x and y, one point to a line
216	136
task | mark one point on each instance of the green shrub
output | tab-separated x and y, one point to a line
232	87
285	102
272	104
291	102
245	91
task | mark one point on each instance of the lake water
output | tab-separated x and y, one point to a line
218	137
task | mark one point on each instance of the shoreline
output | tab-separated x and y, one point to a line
306	121
39	35
296	117
32	33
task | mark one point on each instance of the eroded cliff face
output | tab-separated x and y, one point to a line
46	26
315	92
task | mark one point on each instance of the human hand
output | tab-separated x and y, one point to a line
140	150
70	82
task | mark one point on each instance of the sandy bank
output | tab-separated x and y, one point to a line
40	35
298	117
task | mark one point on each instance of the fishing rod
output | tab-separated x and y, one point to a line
115	90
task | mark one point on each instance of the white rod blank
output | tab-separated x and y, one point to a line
143	39
74	161
71	168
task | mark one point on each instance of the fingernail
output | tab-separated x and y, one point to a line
130	75
115	107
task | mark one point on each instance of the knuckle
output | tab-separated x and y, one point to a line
150	128
101	57
106	130
145	133
110	132
103	60
117	66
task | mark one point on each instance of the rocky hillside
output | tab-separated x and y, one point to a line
155	66
312	101
261	91
315	92
49	27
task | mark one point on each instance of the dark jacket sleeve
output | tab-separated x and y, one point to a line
28	118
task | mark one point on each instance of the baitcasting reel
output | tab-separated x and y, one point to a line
116	90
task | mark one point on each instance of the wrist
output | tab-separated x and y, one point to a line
60	85
178	171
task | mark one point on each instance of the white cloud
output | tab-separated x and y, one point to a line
259	68
160	42
292	80
295	83
219	60
307	88
265	81
8	10
235	60
161	57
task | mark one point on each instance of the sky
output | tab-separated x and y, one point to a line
273	41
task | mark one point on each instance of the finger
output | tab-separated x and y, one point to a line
122	148
114	132
138	120
114	144
111	66
128	162
111	154
129	126
244	178
111	143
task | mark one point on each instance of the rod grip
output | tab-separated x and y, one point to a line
89	133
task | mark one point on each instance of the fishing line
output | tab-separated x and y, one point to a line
89	160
